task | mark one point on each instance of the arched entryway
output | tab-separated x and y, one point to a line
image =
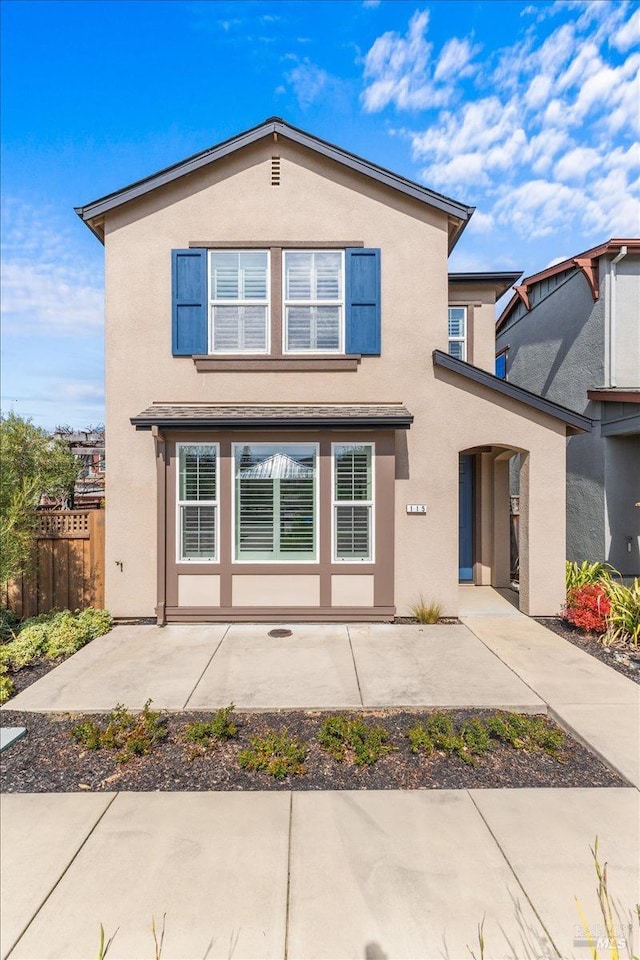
484	515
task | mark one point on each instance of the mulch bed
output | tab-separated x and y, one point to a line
621	657
47	759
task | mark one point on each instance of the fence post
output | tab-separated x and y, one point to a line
96	556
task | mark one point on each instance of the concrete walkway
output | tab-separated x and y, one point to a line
320	666
371	874
596	704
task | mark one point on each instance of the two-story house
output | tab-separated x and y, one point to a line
571	333
301	411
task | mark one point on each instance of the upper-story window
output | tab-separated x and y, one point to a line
314	301
239	301
458	332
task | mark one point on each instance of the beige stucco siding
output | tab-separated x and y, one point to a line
317	200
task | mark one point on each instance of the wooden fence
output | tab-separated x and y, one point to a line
68	568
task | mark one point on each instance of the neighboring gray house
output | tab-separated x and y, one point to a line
572	334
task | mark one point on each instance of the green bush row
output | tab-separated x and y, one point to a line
345	737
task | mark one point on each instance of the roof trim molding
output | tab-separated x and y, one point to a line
188	417
615	394
587	262
276	127
574	420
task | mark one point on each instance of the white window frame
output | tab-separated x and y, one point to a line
238	303
353	503
312	303
462	339
197	503
316	503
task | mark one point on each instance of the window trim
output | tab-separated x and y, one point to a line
197	503
464	339
211	304
316	503
353	503
341	304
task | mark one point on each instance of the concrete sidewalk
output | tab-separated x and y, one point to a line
321	666
371	874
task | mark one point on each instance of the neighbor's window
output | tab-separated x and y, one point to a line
197	501
239	301
275	509
353	501
314	300
458	332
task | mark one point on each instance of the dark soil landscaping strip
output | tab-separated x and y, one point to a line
621	657
48	759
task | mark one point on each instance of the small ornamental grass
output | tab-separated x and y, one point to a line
202	736
353	738
425	612
476	736
276	753
623	620
131	734
587	573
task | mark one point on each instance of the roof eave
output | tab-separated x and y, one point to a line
576	422
279	423
452	208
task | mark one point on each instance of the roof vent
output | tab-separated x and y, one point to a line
275	171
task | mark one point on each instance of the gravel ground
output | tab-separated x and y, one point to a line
47	759
622	657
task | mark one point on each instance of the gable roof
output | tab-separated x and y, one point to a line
576	422
276	127
587	262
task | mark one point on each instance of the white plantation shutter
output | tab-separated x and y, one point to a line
353	501
239	300
197	501
314	300
275	502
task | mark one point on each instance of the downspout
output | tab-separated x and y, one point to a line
613	274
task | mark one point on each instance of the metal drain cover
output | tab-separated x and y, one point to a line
280	633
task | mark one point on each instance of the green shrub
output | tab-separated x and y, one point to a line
439	733
54	635
202	735
341	735
6	684
9	624
426	612
525	732
623	619
130	733
586	573
275	753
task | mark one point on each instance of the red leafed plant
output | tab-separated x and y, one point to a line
588	608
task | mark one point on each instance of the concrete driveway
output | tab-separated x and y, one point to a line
205	666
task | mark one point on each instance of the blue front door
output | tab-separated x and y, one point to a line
465	519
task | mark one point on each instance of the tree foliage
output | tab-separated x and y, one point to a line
31	464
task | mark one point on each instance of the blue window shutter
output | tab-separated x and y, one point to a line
189	302
501	366
362	301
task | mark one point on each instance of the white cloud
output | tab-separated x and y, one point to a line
577	164
628	35
398	70
309	81
370	4
48	285
455	59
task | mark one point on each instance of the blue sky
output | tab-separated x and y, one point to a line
528	111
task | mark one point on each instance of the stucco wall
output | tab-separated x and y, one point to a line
480	346
234	201
622	461
558	350
627	308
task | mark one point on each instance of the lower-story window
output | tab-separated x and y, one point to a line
275	502
353	501
197	502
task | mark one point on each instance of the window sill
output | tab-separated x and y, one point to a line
240	364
